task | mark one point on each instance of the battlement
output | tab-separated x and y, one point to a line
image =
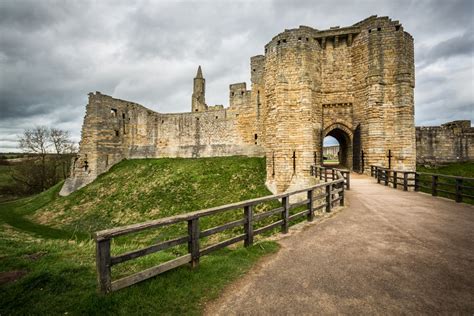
237	89
458	124
257	67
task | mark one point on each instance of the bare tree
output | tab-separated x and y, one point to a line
52	149
63	147
36	141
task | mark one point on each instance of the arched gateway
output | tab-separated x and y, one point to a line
345	137
354	83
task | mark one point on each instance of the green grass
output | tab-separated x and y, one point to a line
46	237
6	183
5	178
465	169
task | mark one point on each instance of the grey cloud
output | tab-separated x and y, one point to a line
52	53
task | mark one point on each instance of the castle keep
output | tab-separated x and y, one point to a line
354	83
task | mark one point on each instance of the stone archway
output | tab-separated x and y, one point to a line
344	136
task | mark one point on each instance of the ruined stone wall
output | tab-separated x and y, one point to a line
450	142
115	129
331	152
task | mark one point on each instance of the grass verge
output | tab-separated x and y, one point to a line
465	169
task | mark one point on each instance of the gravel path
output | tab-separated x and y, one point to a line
388	252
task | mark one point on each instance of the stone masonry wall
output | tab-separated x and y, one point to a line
450	142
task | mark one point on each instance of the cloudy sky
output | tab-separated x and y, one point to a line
52	53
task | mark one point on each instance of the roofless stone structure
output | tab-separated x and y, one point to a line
354	83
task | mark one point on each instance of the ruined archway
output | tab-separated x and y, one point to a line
344	136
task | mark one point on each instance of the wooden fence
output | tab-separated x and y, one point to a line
462	187
324	193
327	173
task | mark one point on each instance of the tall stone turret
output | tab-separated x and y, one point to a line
199	93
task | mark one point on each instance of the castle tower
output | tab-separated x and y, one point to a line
199	93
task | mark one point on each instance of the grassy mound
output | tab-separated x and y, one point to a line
44	239
138	190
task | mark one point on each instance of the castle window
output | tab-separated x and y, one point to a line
254	70
379	29
242	92
370	31
123	116
278	43
197	110
116	133
217	117
266	50
397	27
307	39
299	38
256	136
197	118
113	112
284	40
162	121
232	93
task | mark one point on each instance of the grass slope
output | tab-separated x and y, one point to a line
137	190
59	263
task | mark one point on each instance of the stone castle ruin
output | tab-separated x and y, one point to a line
354	83
448	143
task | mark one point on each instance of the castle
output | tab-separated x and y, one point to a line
354	83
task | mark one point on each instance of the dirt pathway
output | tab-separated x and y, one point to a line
389	252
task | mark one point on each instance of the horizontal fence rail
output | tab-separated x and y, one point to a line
328	195
329	174
453	186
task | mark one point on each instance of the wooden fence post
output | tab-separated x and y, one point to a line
395	179
378	172
310	206
434	185
332	174
193	243
285	201
328	197
320	173
248	228
458	190
405	181
348	180
104	277
341	194
325	175
386	176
